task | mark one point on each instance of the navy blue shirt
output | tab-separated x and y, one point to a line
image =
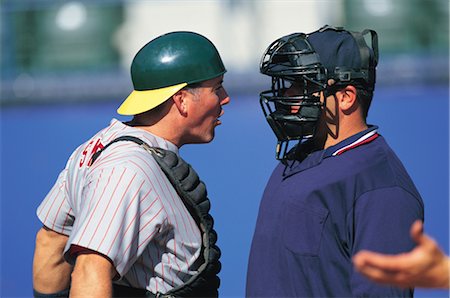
316	214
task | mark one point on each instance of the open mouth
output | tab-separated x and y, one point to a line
218	121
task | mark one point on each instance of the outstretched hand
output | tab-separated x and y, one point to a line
425	266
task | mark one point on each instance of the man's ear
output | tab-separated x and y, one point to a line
180	100
347	99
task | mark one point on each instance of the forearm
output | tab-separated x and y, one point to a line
92	277
90	285
51	273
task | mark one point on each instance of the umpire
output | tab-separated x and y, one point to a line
127	216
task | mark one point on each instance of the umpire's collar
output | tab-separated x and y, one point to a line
315	158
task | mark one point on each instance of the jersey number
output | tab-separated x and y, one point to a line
98	146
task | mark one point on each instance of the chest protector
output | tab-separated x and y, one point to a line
193	193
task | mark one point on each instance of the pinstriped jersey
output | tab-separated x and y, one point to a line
123	207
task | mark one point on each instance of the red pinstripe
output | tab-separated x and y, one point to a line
51	206
172	209
46	202
135	236
180	210
71	157
57	213
148	208
153	187
174	200
107	157
65	221
117	208
145	240
131	222
66	188
175	246
95	208
115	134
186	214
169	263
105	132
107	205
161	174
75	178
95	189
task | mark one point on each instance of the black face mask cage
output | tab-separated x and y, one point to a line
292	60
287	125
276	99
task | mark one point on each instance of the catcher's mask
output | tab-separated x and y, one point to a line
306	62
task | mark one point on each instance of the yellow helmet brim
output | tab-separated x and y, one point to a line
142	101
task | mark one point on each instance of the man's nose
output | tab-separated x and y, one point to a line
225	99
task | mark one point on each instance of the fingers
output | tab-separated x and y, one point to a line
424	242
381	268
365	259
360	259
416	231
386	277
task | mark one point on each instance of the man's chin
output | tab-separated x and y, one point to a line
203	139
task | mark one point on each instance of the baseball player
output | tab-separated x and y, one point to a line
341	189
120	220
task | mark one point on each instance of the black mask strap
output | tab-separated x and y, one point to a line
367	64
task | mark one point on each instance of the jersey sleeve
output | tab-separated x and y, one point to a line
120	215
54	211
382	220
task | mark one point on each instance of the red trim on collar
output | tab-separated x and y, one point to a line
368	140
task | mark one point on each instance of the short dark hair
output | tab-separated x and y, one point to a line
193	86
364	97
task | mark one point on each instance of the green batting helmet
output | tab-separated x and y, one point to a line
165	65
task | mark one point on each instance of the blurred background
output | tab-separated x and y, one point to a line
65	70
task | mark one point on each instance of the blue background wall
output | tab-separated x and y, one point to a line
37	140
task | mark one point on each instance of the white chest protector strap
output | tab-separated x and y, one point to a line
193	193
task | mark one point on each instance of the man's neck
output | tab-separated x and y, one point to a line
160	129
344	132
